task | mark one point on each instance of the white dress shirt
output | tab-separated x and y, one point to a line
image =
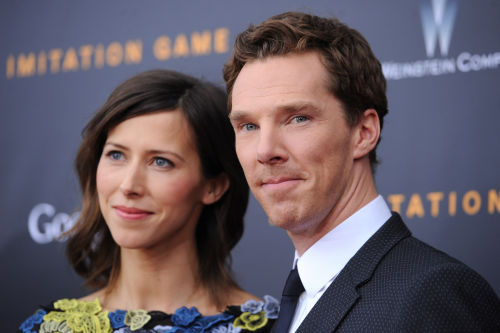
324	260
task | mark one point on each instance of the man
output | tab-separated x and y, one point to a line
307	101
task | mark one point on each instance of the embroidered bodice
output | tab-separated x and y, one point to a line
74	316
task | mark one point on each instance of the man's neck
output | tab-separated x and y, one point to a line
359	192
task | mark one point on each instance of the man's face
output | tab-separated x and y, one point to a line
292	140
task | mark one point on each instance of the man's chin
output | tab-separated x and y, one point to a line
281	222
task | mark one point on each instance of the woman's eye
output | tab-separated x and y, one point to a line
162	162
115	155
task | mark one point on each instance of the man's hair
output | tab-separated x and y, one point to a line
91	248
355	75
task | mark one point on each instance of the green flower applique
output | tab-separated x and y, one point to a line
251	322
136	319
78	317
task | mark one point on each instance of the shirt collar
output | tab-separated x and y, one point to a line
328	256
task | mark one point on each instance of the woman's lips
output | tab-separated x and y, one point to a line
131	213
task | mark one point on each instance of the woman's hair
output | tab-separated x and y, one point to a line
91	248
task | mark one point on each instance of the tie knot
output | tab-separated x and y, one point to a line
293	285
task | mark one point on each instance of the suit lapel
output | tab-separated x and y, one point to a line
337	300
342	294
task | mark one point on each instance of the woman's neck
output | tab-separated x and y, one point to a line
162	280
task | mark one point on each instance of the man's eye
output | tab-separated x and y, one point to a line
250	127
300	119
163	162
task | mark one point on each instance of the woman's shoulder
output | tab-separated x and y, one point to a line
73	315
254	315
62	316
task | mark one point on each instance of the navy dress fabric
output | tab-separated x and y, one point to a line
74	316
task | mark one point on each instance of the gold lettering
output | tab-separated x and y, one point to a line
201	43
114	54
435	198
85	55
221	40
181	47
55	59
452	203
415	206
10	71
493	201
396	200
26	65
99	56
133	52
42	63
70	61
468	207
161	48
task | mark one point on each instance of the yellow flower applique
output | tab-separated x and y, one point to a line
136	319
54	327
79	317
251	322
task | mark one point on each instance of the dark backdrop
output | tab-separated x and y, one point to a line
61	59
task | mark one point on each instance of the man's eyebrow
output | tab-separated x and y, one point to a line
298	106
239	115
236	116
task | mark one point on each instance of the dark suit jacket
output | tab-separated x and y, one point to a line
396	283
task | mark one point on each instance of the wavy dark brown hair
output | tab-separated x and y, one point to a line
355	74
91	249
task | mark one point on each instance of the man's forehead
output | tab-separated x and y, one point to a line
259	88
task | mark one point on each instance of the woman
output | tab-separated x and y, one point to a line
163	204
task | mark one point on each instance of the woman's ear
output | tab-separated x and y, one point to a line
215	188
367	133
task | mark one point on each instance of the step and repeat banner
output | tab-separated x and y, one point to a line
59	60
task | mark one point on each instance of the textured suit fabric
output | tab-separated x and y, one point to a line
396	283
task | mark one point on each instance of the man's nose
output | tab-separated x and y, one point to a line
271	148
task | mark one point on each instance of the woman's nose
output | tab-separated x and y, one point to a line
133	181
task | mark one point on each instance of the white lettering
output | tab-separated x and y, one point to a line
476	62
49	230
420	68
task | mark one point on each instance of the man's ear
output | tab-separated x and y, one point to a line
215	188
367	133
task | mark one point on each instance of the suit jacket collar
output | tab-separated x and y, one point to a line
339	298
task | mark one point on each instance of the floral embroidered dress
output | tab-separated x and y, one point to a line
73	316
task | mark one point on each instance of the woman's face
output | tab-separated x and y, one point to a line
149	181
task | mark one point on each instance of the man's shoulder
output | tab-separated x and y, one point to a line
413	256
418	268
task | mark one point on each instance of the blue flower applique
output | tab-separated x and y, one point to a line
127	329
184	316
200	324
271	307
252	306
36	318
204	323
117	318
229	328
162	328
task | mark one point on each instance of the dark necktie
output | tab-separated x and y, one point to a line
291	292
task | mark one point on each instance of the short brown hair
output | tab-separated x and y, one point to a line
91	248
355	74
